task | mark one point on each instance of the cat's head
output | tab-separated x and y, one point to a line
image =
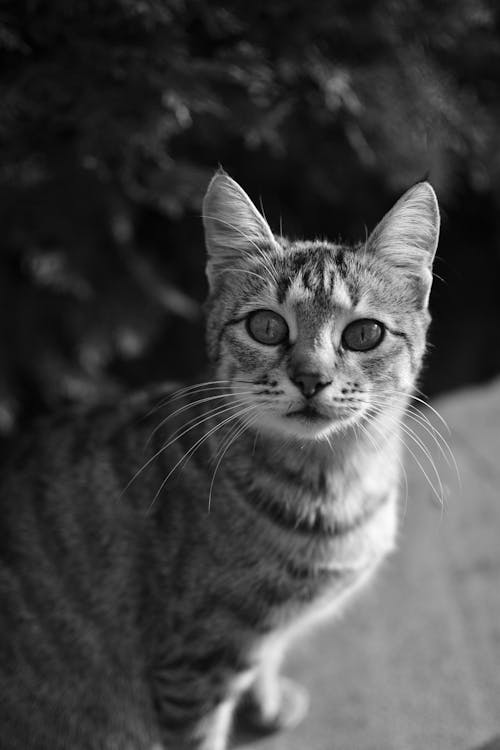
309	336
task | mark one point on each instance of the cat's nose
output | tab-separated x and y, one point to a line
310	382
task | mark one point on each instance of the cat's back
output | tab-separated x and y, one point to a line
69	592
60	493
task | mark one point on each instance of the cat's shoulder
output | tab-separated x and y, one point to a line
72	432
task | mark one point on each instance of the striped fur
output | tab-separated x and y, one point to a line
156	560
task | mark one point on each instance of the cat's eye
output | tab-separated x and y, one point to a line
362	335
267	327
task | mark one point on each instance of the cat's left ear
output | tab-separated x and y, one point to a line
407	237
234	229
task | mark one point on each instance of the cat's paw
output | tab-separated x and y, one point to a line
288	710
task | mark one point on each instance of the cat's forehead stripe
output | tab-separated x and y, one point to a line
341	295
319	272
313	265
328	291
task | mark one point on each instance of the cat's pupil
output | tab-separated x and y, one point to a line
362	335
267	327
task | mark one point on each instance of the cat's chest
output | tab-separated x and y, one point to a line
322	568
283	575
324	585
318	520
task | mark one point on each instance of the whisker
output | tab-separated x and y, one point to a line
207	385
412	435
254	446
193	404
205	417
377	449
234	436
434	433
421	401
185	456
210	415
198	389
330	444
439	497
225	440
179	392
214	384
417	415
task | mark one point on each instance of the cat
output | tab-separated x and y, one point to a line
156	560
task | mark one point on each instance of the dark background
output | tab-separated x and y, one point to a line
115	113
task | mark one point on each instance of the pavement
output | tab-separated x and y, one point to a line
415	663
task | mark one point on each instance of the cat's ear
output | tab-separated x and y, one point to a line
233	226
408	235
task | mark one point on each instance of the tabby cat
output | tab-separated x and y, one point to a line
157	560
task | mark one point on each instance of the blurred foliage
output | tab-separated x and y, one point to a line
114	114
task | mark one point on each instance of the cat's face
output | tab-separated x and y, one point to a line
310	336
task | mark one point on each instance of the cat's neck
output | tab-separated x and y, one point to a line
332	452
326	465
317	485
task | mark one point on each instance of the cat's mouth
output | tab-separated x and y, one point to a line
311	420
313	416
307	412
310	414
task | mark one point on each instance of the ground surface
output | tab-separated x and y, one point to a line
415	664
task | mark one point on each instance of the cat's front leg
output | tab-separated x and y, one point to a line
213	731
207	730
272	702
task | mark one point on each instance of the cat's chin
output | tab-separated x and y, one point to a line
304	424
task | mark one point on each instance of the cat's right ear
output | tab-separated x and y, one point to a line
233	226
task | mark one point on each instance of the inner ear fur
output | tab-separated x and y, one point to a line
233	226
407	237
